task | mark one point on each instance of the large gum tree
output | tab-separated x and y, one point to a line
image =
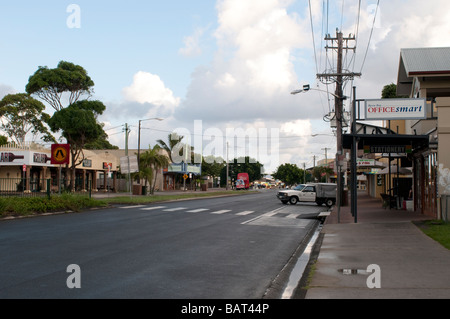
61	86
20	115
78	124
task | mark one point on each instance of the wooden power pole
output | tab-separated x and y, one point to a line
339	43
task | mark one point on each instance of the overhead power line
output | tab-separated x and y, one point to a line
371	33
313	37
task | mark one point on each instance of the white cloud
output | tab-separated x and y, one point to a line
5	90
149	88
300	128
253	72
248	83
264	52
192	44
413	25
227	80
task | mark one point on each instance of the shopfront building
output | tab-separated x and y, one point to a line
425	73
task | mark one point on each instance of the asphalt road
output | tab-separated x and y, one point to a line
218	248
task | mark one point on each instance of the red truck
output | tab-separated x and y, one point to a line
242	181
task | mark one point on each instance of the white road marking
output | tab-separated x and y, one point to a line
250	220
221	211
174	209
268	214
273	212
133	206
247	212
153	207
197	210
300	267
293	216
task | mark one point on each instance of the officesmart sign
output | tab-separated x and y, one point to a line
396	109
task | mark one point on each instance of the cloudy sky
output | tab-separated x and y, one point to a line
226	64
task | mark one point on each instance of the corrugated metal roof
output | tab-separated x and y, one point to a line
426	60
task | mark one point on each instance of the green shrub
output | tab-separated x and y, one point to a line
29	205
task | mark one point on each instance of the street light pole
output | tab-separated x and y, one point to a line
306	88
127	133
227	169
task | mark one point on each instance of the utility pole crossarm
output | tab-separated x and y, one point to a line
339	39
329	75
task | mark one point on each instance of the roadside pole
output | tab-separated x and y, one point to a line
59	179
354	200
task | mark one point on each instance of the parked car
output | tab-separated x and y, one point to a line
321	193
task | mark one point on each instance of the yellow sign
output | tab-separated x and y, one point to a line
185	176
60	154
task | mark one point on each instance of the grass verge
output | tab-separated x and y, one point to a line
25	206
438	230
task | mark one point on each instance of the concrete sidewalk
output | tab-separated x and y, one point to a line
411	265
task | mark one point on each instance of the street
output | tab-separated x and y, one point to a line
217	248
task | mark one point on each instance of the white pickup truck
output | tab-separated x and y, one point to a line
321	193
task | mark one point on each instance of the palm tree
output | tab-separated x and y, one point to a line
159	161
151	162
145	169
173	139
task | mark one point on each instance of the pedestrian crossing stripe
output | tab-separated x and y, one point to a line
247	212
265	216
197	210
221	211
174	209
153	208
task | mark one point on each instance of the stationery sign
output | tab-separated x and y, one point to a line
396	109
388	149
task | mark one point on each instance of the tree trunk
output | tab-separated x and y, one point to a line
154	182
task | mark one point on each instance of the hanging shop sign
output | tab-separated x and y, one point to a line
370	149
396	109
